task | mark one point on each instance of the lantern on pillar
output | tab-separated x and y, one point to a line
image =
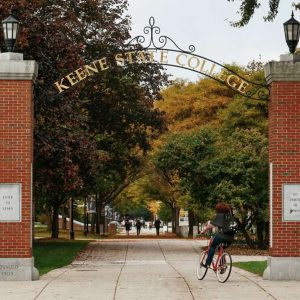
10	30
291	31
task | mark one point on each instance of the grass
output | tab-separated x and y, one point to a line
42	232
256	267
53	254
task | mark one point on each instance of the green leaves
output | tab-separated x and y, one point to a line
248	8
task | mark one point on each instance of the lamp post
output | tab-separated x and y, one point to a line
10	30
72	234
291	31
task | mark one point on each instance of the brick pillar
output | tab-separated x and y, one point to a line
284	161
16	139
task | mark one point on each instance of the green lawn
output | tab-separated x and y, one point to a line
53	254
42	232
256	267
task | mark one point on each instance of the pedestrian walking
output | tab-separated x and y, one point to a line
127	226
138	226
157	225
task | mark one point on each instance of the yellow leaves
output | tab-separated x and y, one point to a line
154	206
188	106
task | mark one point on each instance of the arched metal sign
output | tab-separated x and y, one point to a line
153	48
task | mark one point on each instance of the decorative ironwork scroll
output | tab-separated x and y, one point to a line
175	56
163	40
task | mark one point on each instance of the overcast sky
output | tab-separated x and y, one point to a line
205	24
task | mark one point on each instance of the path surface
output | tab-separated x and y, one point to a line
145	269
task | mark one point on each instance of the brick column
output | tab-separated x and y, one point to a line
284	161
16	140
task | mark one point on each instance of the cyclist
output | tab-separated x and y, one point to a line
223	220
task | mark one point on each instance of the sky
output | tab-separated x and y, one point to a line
205	24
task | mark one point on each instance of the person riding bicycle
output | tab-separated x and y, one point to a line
223	220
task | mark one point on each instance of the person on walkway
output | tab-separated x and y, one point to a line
127	226
224	221
138	226
157	225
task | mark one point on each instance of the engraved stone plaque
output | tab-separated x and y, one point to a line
10	202
291	202
16	269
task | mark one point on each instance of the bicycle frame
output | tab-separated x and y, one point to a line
221	265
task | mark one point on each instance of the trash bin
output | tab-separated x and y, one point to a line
112	229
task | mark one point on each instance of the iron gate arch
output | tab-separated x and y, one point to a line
160	44
256	91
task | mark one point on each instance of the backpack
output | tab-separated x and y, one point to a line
229	224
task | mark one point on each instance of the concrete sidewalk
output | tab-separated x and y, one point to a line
145	269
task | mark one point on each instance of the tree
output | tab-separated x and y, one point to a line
154	187
239	176
110	114
165	213
212	167
130	204
179	159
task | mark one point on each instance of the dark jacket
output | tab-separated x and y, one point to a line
138	224
157	223
127	225
224	222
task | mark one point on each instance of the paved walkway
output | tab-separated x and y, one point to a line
145	231
145	269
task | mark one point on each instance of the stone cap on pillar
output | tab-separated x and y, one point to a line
290	57
13	67
287	69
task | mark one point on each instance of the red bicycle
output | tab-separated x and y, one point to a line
221	264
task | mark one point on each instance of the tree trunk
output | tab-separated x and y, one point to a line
191	222
98	213
174	220
64	218
242	228
72	235
55	227
49	219
197	222
93	221
85	218
260	224
102	222
177	228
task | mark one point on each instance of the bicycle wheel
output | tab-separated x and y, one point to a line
224	267
201	271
